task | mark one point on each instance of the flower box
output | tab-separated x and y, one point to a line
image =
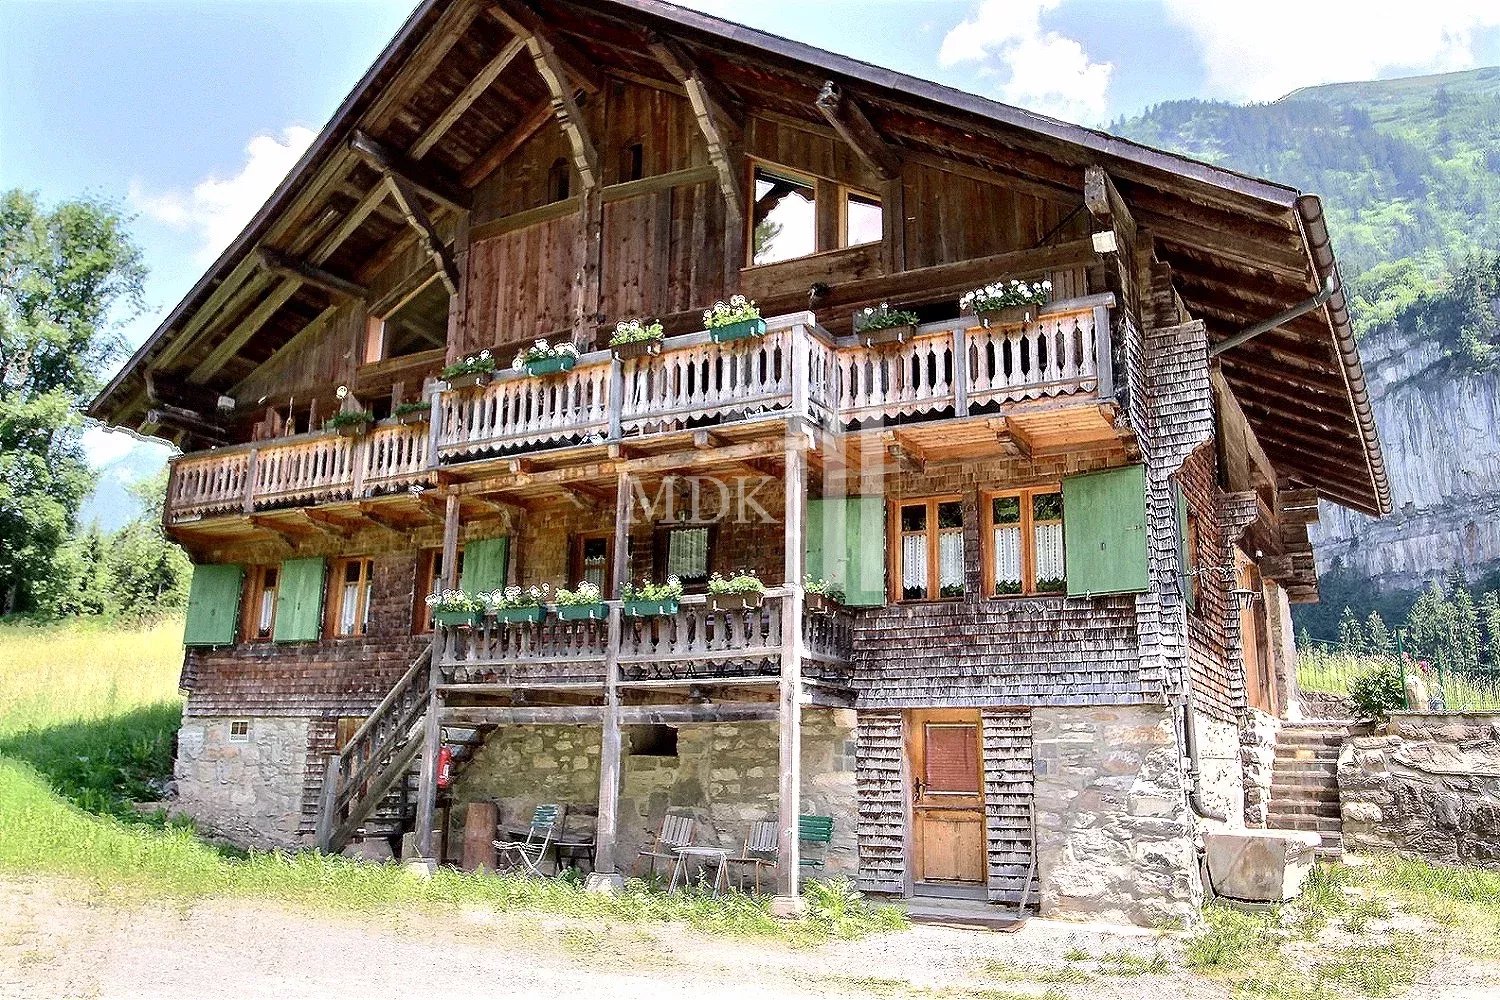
352	430
888	335
454	619
414	417
520	616
469	380
651	609
749	600
1009	316
637	349
738	331
583	612
820	604
551	366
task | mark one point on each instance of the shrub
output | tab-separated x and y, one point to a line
1378	693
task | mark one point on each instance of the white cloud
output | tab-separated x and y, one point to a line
1261	51
217	208
1042	70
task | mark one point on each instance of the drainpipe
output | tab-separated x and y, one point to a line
1251	332
1190	744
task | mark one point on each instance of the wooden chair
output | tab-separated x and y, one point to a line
762	849
676	831
546	823
815	830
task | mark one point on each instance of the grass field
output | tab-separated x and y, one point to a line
87	718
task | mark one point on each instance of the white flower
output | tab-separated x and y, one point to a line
484	355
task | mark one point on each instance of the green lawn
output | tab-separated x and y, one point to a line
87	718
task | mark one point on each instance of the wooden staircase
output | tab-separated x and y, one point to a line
1305	784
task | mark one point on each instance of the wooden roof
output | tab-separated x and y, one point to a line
442	94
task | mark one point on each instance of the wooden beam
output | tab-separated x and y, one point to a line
332	523
487	75
383	517
247	328
486	163
556	69
521	20
188	421
287	266
442	189
284	529
422	224
853	125
720	127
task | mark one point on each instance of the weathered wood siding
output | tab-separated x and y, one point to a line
880	785
1008	805
520	285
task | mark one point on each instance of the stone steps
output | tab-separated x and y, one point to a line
1304	783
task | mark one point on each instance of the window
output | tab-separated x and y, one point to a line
862	219
632	161
419	323
929	549
429	581
684	553
591	562
559	180
1024	533
259	615
349	599
651	741
785	222
239	731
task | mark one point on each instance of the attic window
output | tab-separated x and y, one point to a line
558	181
418	323
632	162
785	216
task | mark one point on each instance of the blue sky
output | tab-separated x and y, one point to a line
188	113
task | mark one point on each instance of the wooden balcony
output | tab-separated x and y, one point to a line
948	370
695	647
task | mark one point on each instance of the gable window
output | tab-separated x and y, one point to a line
259	615
863	221
1024	537
684	553
592	563
419	322
559	181
349	596
632	161
429	581
929	548
785	223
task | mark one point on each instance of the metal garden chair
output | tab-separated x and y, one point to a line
762	848
676	832
546	823
815	830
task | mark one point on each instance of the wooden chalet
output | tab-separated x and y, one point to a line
1066	541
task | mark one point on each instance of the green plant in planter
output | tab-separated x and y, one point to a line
1051	585
409	411
517	605
475	365
890	324
821	595
350	421
583	603
635	331
733	320
651	599
1007	588
738	590
542	358
1001	296
455	607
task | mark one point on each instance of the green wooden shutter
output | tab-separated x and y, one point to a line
1184	580
864	527
1104	531
299	601
213	605
826	558
485	563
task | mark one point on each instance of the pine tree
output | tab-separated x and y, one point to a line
1378	636
1489	627
1351	635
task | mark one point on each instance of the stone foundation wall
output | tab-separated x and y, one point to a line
1429	785
725	774
1221	774
1257	757
1115	839
249	793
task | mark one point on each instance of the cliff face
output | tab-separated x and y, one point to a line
1438	426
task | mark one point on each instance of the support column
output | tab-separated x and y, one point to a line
790	688
607	828
432	740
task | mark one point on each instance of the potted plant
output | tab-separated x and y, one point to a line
515	606
741	591
542	358
416	411
821	597
350	423
636	339
884	325
1007	302
471	371
735	320
583	603
455	608
650	600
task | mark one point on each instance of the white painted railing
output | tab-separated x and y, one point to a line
319	467
695	377
1056	354
395	456
898	380
207	483
516	410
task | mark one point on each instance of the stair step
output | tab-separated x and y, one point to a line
1317	824
1326	768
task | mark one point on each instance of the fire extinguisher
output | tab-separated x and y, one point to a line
444	767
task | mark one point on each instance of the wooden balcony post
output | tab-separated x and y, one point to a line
616	400
433	736
800	374
961	369
1104	357
359	461
790	687
434	420
606	829
250	464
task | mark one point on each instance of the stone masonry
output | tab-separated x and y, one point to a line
724	774
1115	839
1257	757
250	792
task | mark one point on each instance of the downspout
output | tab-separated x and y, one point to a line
1190	744
1325	292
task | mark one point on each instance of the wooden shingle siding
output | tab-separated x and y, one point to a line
879	751
1008	804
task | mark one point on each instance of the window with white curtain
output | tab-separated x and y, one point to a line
931	549
687	553
1025	532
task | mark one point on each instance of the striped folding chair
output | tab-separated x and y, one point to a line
546	823
761	852
676	831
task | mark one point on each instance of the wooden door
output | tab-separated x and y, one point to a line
948	830
1260	689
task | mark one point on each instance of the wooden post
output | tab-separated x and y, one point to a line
433	738
450	542
359	460
1104	354
606	829
328	801
250	464
961	370
616	401
434	396
790	688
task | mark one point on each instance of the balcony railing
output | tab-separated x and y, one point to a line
695	645
948	368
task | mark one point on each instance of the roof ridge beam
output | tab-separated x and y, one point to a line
434	184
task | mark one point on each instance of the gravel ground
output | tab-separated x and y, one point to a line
57	941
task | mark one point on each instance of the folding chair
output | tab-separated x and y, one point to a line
761	851
546	823
815	830
676	831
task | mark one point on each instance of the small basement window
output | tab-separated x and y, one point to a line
239	731
419	323
652	741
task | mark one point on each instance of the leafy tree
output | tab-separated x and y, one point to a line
148	574
1351	636
1377	636
68	276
